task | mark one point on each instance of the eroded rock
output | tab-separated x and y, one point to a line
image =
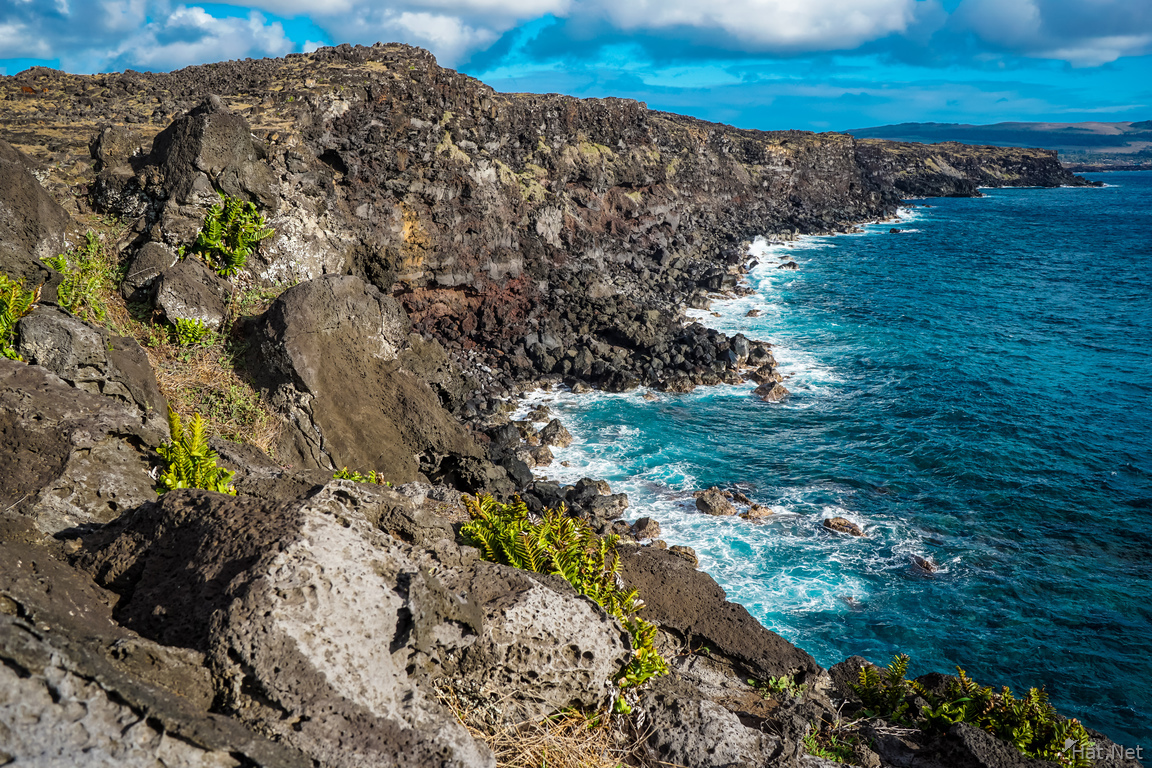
323	626
69	457
714	502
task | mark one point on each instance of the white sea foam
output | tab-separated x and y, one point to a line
787	564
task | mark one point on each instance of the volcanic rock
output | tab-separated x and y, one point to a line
713	502
842	525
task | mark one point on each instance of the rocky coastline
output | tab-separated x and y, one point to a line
435	249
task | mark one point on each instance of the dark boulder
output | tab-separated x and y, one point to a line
91	359
143	269
555	434
328	353
32	224
191	291
215	145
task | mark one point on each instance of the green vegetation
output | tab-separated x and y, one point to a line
1030	723
829	746
783	684
88	279
567	547
191	463
230	232
192	333
372	477
15	303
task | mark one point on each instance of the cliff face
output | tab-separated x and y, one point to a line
528	231
950	169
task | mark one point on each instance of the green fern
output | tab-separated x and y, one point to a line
568	548
373	477
191	332
231	231
15	303
191	463
88	279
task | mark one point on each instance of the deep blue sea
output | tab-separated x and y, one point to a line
976	389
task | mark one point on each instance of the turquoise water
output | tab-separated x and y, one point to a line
976	389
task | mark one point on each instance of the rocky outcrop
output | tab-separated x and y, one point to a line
329	356
67	457
281	599
949	169
32	223
689	603
529	234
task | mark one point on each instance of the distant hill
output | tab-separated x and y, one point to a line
1067	138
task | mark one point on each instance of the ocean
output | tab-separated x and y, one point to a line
976	389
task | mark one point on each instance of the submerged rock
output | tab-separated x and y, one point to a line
842	525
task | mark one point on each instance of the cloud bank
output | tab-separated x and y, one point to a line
90	35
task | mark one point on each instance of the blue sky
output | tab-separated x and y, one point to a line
809	64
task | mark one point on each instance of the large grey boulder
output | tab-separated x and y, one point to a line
76	689
323	627
69	457
684	728
91	359
32	224
330	353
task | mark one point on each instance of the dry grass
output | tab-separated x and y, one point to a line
568	739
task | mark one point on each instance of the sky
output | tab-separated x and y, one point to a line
772	64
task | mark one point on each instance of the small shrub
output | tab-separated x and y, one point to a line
372	477
1030	723
88	279
231	230
15	302
191	463
567	547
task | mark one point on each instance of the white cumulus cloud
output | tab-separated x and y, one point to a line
764	25
1085	33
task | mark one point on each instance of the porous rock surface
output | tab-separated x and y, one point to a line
323	629
78	689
